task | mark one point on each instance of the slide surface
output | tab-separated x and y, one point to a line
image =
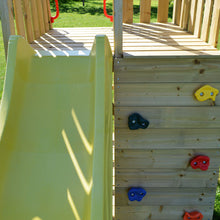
56	135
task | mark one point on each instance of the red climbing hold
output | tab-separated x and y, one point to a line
193	216
201	162
105	11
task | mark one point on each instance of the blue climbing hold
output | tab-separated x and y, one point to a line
136	194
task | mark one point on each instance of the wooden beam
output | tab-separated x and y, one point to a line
45	15
49	13
145	11
7	21
198	22
192	16
128	11
177	11
207	20
118	28
163	9
36	26
214	31
40	17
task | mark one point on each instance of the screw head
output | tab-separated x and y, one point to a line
132	194
202	94
133	122
204	162
195	163
212	93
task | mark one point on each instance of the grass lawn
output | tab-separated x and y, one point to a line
75	15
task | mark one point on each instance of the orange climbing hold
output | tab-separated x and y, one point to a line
193	216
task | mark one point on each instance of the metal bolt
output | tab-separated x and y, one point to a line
212	93
117	78
132	194
133	122
201	94
195	163
204	162
118	62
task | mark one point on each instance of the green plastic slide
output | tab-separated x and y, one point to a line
56	135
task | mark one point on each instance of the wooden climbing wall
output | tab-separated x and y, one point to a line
158	158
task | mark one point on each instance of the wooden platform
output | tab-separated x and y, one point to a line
155	39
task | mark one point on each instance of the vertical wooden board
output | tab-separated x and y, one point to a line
19	17
182	13
214	31
162	13
177	11
192	16
28	21
128	11
145	11
40	17
49	13
46	15
199	16
118	28
159	212
36	27
185	18
7	21
207	20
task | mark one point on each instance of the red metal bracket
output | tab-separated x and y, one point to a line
57	12
193	216
105	11
200	162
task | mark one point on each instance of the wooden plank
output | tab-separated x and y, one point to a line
167	139
192	16
162	14
160	94
171	117
182	13
40	17
49	14
207	20
215	25
147	178
118	21
128	11
177	11
7	21
46	16
19	17
145	11
199	16
163	159
159	212
28	21
36	27
169	197
143	70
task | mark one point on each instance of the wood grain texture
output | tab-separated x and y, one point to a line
40	17
145	11
192	16
46	16
171	117
19	17
160	94
215	25
160	178
167	70
163	159
199	17
159	212
169	197
162	13
36	27
177	11
167	139
28	21
128	11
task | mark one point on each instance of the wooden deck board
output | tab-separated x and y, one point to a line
154	39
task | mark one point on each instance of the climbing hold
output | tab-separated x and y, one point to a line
201	162
206	92
136	194
136	121
193	216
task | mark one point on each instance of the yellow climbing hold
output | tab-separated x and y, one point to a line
206	92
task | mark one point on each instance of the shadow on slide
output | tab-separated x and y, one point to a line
56	135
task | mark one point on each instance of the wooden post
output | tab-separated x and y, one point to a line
214	31
177	11
163	9
118	28
192	16
128	11
145	11
198	22
7	21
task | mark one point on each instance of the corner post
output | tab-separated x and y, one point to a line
118	28
7	20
